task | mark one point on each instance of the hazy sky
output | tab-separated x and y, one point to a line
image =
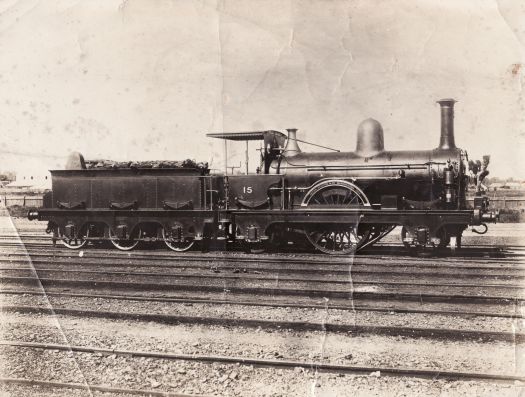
146	79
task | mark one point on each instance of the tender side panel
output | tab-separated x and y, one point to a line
146	191
123	190
184	192
71	189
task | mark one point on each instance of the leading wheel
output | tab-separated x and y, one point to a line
442	234
330	238
175	244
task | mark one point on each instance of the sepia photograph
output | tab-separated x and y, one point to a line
319	198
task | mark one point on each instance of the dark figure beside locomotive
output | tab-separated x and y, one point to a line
341	202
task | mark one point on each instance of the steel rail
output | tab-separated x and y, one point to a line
326	306
355	269
235	279
251	277
318	366
235	257
410	332
306	262
98	388
466	252
265	291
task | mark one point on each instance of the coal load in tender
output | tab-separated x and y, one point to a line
110	164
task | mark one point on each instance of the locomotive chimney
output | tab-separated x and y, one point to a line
291	148
447	124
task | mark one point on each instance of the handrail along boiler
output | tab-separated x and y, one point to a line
339	202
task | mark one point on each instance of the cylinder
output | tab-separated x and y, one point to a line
446	140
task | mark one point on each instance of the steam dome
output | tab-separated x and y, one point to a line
369	138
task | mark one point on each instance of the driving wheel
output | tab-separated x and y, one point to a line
330	238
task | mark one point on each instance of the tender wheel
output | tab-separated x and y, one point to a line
123	245
178	246
336	239
74	243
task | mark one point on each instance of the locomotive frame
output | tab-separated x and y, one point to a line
338	202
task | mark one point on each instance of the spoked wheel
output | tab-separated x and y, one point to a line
442	234
75	243
336	239
176	244
123	245
96	231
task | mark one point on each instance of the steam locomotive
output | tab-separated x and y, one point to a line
337	202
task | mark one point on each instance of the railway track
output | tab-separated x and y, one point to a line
466	252
351	279
261	291
48	385
305	274
317	366
104	255
282	265
354	329
352	307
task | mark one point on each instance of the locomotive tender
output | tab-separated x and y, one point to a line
340	202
